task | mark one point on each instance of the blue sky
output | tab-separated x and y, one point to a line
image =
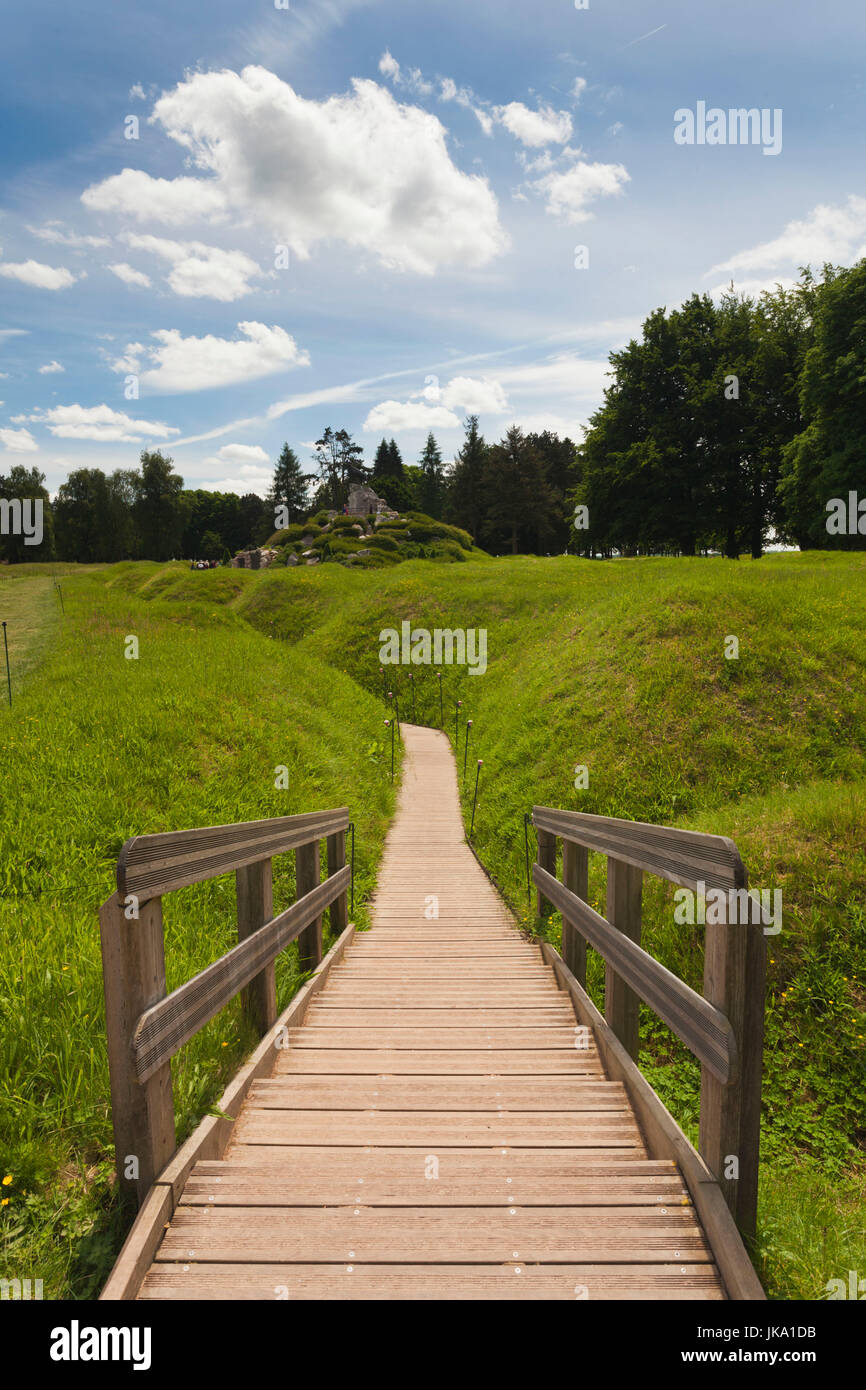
365	214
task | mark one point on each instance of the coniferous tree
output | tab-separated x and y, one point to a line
290	485
430	464
467	502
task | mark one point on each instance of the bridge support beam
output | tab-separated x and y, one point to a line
575	877
307	874
621	1004
256	907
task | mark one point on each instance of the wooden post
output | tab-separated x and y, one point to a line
546	860
735	969
255	896
621	1004
575	876
338	912
306	879
133	973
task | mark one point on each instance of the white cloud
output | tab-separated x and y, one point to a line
578	88
99	423
200	271
54	233
172	201
827	233
359	168
534	128
409	415
130	276
567	192
475	395
197	364
136	92
561	375
389	67
753	288
18	441
247	455
42	277
412	80
50	368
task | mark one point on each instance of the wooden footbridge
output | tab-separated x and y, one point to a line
441	1112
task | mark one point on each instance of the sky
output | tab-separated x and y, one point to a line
229	225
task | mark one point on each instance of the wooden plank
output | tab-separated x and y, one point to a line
621	1003
432	1039
686	857
255	897
406	1282
150	865
350	1061
702	1027
630	1235
164	1028
335	849
444	1019
547	860
665	1139
575	877
735	969
142	1109
208	1141
307	872
433	1130
437	1093
139	1248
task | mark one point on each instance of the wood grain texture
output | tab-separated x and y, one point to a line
440	1126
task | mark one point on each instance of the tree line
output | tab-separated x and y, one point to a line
724	425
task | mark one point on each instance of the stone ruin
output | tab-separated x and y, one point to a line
363	500
258	559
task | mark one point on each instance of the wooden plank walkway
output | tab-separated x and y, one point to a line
439	1127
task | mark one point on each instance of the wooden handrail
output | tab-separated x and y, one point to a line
724	1027
145	1026
704	1029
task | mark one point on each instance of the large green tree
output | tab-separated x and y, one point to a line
467	501
290	486
26	499
432	486
157	509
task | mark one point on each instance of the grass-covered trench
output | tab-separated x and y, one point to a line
618	667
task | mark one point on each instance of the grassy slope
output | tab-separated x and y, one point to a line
621	667
617	666
97	748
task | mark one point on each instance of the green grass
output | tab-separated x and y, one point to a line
617	666
30	608
98	748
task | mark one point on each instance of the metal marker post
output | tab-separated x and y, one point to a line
466	747
8	675
475	797
441	709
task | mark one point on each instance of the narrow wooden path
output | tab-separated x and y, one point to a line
439	1127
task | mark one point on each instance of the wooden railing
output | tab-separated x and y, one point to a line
723	1027
145	1026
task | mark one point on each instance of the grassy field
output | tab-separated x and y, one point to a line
619	667
97	748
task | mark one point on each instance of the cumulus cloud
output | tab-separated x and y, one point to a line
42	277
827	233
100	423
534	128
50	368
409	415
200	271
475	396
129	276
18	441
242	454
568	192
359	168
172	201
578	88
199	364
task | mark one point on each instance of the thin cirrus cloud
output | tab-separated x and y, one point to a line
99	423
200	271
200	364
55	233
360	167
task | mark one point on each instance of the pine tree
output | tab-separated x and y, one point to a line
430	463
382	460
467	503
289	488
